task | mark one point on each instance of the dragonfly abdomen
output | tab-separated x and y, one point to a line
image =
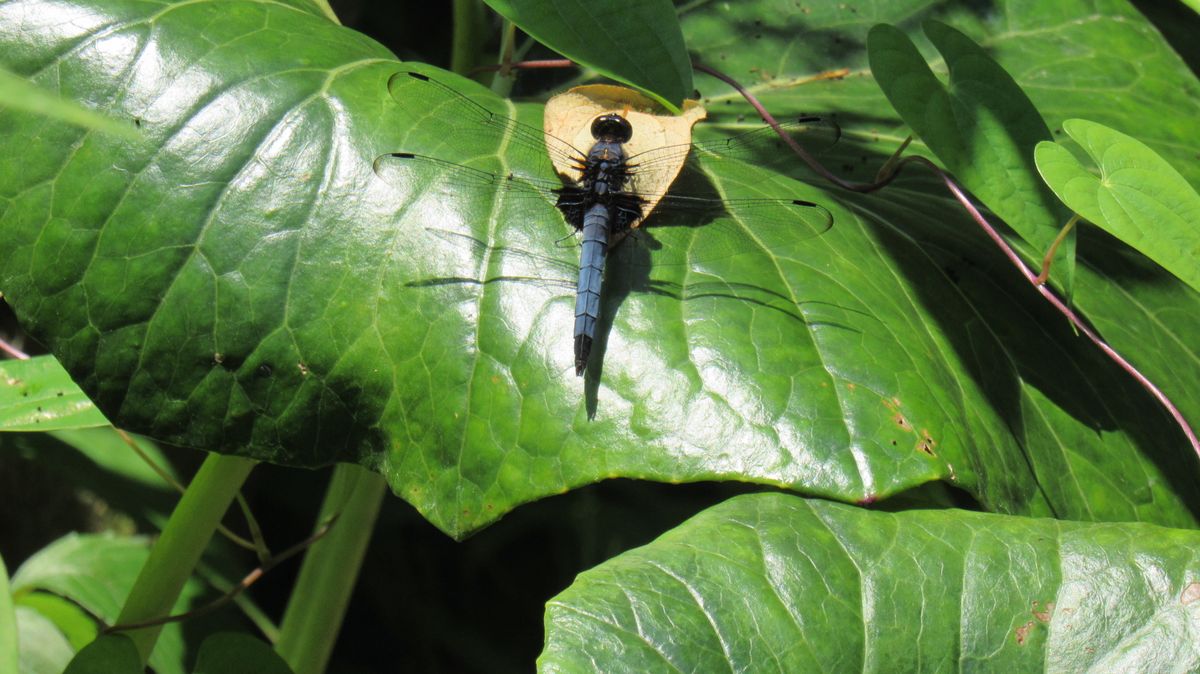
591	276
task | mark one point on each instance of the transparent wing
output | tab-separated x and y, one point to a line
465	115
532	145
725	227
762	145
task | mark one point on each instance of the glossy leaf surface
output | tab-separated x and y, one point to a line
38	395
776	583
18	93
637	42
1138	197
245	282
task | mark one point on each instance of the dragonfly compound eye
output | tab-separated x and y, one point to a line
613	128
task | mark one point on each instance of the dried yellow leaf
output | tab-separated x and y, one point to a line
569	118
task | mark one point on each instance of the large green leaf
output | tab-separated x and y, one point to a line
246	283
637	42
1138	197
776	583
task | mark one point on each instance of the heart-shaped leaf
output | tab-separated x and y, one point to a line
980	125
776	583
1138	197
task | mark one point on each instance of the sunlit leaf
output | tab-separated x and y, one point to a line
1137	196
38	395
776	583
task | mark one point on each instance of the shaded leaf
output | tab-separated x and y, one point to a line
75	624
776	583
110	654
1138	197
238	653
980	125
96	571
38	395
637	42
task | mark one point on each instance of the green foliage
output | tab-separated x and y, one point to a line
1138	197
236	653
980	125
776	583
244	282
38	395
96	572
651	54
110	654
275	307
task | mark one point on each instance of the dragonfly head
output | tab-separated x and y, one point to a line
612	128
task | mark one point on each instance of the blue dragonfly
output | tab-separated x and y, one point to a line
602	199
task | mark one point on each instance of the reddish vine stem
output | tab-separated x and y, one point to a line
13	351
244	584
1054	300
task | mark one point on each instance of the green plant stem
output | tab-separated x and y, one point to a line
183	540
464	48
502	79
322	592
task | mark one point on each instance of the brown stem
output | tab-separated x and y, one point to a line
1062	235
791	142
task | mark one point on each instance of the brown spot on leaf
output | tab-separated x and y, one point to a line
1045	615
1023	633
1191	593
926	444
